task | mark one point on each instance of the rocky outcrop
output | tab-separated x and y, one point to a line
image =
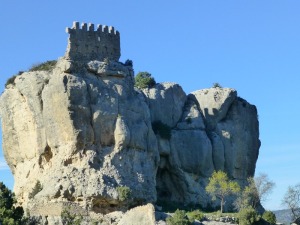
216	130
83	134
78	137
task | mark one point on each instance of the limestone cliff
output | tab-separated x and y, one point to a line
81	131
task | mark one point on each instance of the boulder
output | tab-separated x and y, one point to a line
141	215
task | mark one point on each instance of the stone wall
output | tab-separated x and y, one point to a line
85	43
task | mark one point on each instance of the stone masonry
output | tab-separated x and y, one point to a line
86	44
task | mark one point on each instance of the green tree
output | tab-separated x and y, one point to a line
220	187
144	80
269	217
9	214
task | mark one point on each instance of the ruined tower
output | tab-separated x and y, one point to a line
86	43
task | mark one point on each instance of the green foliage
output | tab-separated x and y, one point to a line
69	218
217	85
10	80
248	216
163	130
124	193
144	80
178	218
9	214
196	215
269	217
45	66
37	188
219	187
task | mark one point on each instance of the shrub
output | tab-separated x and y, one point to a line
178	218
144	80
128	62
69	218
163	130
217	85
248	216
195	215
45	66
124	193
10	80
269	217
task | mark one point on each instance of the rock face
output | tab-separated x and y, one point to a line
82	133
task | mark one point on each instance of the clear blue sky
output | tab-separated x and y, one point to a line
252	46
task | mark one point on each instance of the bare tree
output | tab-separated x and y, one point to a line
264	187
257	191
292	200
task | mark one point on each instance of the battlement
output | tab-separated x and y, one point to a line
86	43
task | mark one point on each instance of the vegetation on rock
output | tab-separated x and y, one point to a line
11	80
124	193
217	85
45	66
144	80
69	218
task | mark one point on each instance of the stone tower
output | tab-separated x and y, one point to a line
86	43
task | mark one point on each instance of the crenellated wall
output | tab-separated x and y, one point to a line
86	43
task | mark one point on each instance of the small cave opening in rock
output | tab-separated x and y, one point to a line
162	185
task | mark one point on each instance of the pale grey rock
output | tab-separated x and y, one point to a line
216	131
166	101
192	117
141	215
74	134
192	151
214	103
109	68
240	136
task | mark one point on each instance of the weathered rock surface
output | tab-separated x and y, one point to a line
81	132
216	131
78	138
142	215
